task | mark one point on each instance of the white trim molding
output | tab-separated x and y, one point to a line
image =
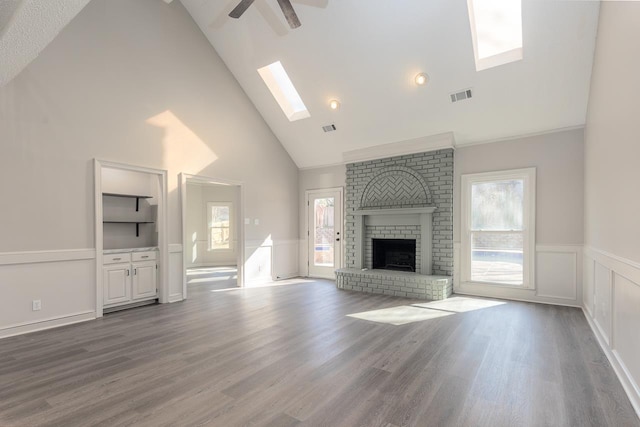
528	231
43	324
611	295
31	257
162	226
49	276
401	148
183	179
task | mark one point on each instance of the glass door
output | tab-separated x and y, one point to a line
324	232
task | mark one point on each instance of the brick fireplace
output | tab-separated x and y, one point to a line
400	198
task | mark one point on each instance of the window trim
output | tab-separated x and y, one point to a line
231	227
528	175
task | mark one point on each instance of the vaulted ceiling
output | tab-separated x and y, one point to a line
367	53
27	27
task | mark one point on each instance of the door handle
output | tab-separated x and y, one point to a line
338	239
128	272
135	271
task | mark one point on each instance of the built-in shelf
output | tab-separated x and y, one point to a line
137	223
129	196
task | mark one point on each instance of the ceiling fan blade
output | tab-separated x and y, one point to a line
241	8
289	13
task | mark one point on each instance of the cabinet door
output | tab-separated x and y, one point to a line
144	279
116	283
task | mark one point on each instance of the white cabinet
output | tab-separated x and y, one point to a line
129	277
144	279
117	283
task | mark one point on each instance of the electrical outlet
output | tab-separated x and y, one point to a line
36	305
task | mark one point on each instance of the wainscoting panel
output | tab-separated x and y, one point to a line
64	282
175	273
557	272
259	263
627	324
588	285
285	259
613	289
603	288
558	278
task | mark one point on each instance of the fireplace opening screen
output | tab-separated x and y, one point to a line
394	254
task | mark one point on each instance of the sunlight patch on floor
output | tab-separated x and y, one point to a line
420	312
401	315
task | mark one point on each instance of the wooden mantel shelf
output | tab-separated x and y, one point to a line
395	211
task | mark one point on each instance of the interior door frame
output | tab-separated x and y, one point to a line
184	178
162	223
340	220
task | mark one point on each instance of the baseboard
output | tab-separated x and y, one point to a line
629	386
458	291
287	276
41	325
211	265
175	298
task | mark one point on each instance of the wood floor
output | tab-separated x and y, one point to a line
290	356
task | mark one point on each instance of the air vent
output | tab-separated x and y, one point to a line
329	128
461	96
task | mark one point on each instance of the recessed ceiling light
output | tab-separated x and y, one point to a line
334	104
421	79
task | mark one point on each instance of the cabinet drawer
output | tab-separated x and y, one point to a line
144	256
115	258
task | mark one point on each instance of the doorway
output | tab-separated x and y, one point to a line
324	231
213	242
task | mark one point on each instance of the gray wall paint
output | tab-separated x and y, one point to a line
612	145
558	159
133	82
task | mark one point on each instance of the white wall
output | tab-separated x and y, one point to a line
313	179
612	201
197	249
133	82
558	159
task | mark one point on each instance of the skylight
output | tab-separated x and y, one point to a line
496	28
278	82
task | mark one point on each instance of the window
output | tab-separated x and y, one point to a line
496	31
498	228
283	90
219	216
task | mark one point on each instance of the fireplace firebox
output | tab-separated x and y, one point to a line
394	254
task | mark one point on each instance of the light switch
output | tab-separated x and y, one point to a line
247	221
256	221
